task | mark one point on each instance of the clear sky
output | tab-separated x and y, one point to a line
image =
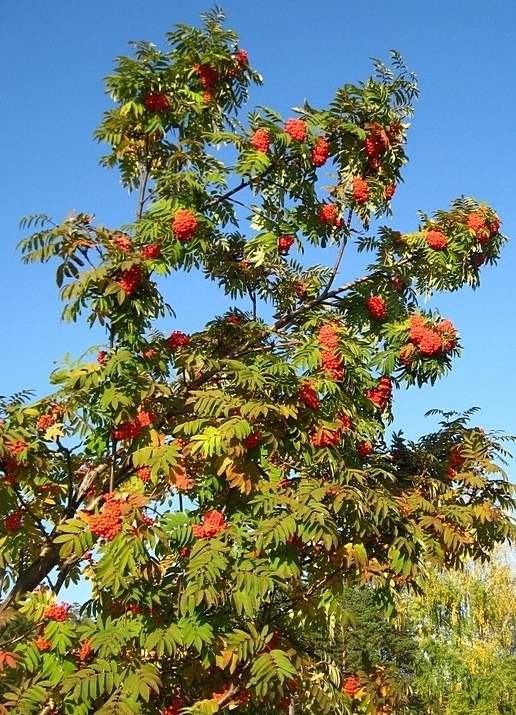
53	56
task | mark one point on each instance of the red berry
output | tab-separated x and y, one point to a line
389	191
130	279
284	244
436	240
309	396
57	611
151	251
320	152
207	74
177	339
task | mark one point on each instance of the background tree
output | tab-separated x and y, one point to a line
219	490
466	636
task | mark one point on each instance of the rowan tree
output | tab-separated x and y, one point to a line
219	489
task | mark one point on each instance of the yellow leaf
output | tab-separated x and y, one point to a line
55	431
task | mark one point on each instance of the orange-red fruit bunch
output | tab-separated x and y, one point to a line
108	523
144	473
351	686
328	214
207	74
325	438
436	239
184	225
309	396
360	190
42	644
130	279
86	649
482	227
45	421
151	251
284	244
296	128
173	709
57	611
320	152
328	341
382	393
432	340
377	307
156	102
13	521
252	440
261	140
213	522
364	449
177	339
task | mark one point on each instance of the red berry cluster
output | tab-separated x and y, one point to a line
130	279
320	152
242	58
382	393
213	522
328	214
177	339
261	140
207	74
328	341
284	244
42	644
45	421
156	102
296	128
389	191
432	340
151	251
376	307
325	438
173	709
360	190
122	242
17	447
483	226
364	449
13	521
252	440
101	357
184	225
108	522
436	239
132	429
144	474
309	396
86	649
57	611
351	686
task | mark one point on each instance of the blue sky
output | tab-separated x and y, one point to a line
53	57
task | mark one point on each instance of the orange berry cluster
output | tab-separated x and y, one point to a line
360	190
320	152
213	522
328	341
482	225
261	140
144	474
351	686
184	225
122	242
309	396
382	393
177	339
42	644
57	611
45	421
364	449
130	279
376	307
151	251
432	340
436	239
284	244
13	521
108	523
325	438
328	214
156	102
86	649
208	74
296	128
173	709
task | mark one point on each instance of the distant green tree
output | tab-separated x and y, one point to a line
465	626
